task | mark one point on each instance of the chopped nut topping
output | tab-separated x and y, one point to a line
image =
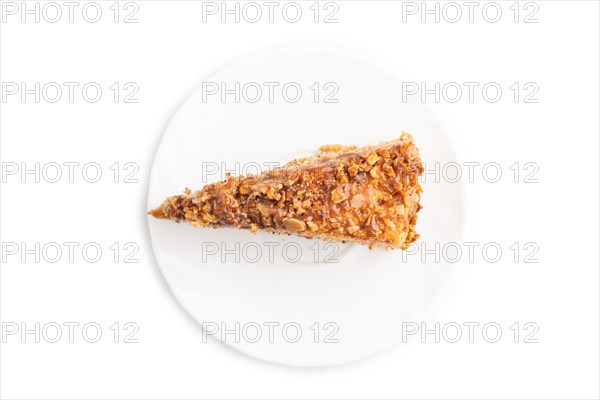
341	177
264	209
385	153
389	170
375	172
411	152
308	197
330	147
352	229
294	224
337	196
373	158
357	201
273	194
353	170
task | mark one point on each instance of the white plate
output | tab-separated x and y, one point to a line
364	296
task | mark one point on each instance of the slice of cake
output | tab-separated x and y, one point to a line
368	195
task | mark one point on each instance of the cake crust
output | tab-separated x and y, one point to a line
368	195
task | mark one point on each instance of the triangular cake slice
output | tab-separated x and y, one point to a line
368	195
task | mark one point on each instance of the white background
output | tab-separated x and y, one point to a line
170	51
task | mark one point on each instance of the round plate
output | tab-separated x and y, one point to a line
285	299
